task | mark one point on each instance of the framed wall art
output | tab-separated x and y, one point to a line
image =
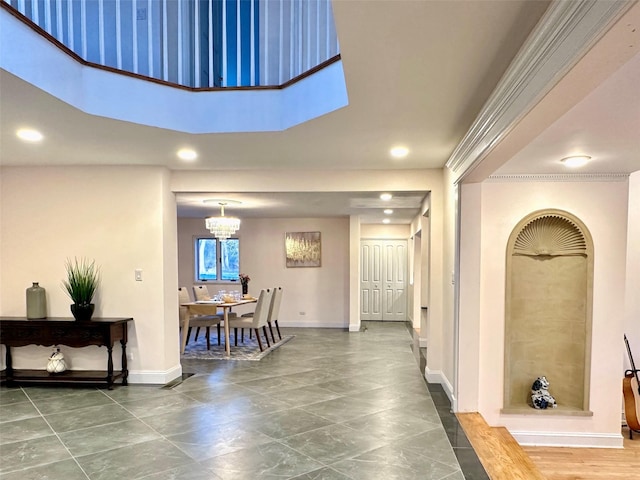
302	249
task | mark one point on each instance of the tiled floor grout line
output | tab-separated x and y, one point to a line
44	419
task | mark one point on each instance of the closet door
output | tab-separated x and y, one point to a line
383	278
394	299
370	280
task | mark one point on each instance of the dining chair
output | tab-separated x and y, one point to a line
197	321
201	292
274	310
259	318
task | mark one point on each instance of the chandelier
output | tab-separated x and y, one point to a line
222	227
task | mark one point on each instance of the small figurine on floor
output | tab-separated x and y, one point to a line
540	395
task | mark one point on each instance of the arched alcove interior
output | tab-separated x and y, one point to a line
549	291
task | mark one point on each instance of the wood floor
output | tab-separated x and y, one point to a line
504	459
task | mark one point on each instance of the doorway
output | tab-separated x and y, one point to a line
383	280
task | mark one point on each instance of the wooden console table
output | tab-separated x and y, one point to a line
19	332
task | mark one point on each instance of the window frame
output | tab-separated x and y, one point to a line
218	266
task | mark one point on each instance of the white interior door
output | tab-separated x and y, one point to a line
383	280
370	280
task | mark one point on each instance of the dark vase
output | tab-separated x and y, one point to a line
82	312
245	288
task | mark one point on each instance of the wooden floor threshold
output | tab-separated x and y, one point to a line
500	454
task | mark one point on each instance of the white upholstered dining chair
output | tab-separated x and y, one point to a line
201	292
274	311
259	318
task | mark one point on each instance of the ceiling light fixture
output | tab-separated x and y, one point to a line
386	197
399	152
29	135
187	154
576	161
222	227
388	211
386	220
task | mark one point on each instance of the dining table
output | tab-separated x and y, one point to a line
210	307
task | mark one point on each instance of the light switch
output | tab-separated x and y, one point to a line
138	274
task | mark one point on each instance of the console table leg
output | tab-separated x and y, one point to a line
110	367
125	371
9	365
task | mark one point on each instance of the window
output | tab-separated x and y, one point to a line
216	259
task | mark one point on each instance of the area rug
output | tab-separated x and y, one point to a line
249	350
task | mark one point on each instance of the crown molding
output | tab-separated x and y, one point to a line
560	177
564	34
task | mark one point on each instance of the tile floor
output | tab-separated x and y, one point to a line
327	405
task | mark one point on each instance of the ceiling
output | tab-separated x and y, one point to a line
367	205
417	74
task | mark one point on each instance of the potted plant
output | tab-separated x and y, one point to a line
81	284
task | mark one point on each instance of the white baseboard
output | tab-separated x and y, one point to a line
354	328
436	376
422	342
313	325
154	377
568	439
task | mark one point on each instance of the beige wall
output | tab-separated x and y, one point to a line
124	218
602	206
313	297
632	300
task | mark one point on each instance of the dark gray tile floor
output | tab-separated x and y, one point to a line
327	405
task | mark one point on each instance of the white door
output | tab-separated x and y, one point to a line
383	280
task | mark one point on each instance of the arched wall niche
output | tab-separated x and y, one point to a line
548	311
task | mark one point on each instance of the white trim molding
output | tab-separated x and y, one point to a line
154	377
564	34
437	376
313	324
560	177
568	439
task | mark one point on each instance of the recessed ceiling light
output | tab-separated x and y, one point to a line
386	197
386	220
388	211
187	154
576	161
29	135
399	152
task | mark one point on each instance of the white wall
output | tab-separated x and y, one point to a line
124	218
384	232
448	287
632	300
602	206
321	293
469	306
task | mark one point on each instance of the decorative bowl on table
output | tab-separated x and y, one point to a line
228	299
